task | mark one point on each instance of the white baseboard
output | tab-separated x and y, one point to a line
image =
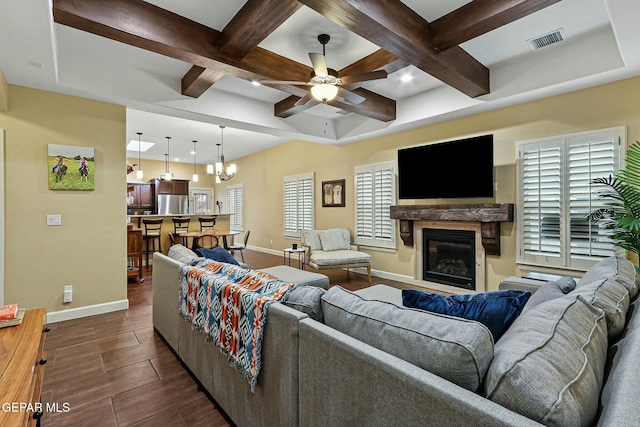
265	250
90	310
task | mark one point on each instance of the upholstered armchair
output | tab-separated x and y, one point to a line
332	249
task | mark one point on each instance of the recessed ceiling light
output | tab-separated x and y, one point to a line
256	83
406	78
144	146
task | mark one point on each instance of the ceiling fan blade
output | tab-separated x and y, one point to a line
373	75
319	64
304	100
347	97
282	82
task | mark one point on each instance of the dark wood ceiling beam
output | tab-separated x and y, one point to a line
287	108
374	106
402	32
141	24
479	17
252	24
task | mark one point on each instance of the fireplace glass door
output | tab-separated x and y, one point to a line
449	257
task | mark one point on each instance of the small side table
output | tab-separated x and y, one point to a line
289	251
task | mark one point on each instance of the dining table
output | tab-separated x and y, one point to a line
215	233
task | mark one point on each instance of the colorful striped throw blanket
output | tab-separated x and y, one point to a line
229	305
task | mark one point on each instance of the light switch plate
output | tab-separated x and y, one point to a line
54	220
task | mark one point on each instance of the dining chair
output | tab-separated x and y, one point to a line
206	242
240	246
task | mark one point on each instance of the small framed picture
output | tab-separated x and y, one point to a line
333	193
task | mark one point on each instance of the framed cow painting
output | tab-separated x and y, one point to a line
71	167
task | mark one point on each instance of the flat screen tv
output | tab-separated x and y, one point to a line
447	170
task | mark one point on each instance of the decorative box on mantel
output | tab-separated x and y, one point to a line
488	215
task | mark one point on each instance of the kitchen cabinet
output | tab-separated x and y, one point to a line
141	196
175	186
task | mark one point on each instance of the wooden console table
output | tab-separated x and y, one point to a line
22	360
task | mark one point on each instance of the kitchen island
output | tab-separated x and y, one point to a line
222	224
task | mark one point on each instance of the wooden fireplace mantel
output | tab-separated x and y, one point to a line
488	215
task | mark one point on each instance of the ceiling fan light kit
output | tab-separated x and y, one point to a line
326	83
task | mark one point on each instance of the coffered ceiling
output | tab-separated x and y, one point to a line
184	68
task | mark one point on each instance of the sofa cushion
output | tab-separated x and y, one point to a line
453	348
610	296
496	310
297	276
335	239
341	257
307	299
219	254
616	268
312	239
184	255
551	290
549	365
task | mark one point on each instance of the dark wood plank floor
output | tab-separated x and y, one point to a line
114	370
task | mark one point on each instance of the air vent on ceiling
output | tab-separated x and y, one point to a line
547	39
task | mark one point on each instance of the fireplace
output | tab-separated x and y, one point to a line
449	257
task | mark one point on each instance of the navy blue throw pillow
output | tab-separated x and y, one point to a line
496	310
217	254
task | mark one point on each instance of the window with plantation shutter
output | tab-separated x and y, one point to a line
235	207
555	193
298	204
374	195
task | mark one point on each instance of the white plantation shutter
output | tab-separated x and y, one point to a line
555	194
374	195
298	204
588	159
235	206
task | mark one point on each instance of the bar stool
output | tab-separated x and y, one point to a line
207	222
180	225
152	234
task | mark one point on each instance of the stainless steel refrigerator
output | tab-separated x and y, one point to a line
173	204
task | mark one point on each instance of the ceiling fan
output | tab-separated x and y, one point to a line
326	83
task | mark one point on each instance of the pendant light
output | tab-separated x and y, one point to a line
167	174
223	173
139	172
194	178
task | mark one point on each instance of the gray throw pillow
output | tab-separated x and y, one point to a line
184	255
307	299
616	268
549	365
453	348
610	296
551	290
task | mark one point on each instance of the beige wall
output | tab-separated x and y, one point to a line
88	250
262	174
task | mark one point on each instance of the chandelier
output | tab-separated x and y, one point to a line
222	172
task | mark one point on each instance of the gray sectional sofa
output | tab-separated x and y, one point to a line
349	365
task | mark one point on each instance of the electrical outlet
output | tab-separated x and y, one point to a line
68	293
